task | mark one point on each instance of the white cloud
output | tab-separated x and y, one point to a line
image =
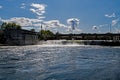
57	26
25	22
41	7
1	7
103	25
95	27
38	9
99	26
53	25
114	22
73	22
110	16
23	6
21	21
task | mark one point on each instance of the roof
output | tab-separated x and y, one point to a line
21	31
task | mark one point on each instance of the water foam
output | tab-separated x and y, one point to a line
58	43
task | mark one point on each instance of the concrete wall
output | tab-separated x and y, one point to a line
20	37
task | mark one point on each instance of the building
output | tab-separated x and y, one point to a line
20	37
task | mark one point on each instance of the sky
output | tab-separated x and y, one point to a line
89	16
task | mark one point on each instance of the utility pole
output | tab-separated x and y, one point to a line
41	30
110	28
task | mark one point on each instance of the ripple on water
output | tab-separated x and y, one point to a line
59	62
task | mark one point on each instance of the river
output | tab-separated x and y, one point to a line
59	62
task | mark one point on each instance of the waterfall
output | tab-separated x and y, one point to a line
60	43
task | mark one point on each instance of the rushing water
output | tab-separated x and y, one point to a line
58	62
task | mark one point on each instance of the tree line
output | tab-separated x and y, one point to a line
7	26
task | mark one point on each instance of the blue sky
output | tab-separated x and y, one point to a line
94	15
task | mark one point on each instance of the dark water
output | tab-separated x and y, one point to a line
59	63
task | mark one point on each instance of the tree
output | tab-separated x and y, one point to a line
7	26
45	34
33	30
3	26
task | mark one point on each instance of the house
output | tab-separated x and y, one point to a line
20	37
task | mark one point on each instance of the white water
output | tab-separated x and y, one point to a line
58	43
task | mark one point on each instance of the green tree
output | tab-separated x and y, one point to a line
45	34
33	30
7	26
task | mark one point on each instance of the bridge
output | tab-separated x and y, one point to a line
83	36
